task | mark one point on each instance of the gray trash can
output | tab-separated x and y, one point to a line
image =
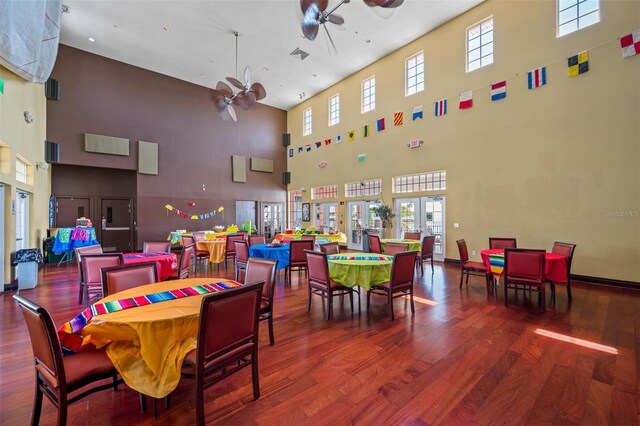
26	261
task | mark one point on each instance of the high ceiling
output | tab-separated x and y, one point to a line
194	40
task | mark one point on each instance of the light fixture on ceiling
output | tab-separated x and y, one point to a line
92	40
248	93
166	29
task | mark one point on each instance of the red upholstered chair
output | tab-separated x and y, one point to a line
426	253
374	244
263	270
297	257
257	239
91	265
322	285
123	277
524	268
394	248
469	267
566	250
184	262
231	248
401	282
412	236
330	248
245	234
308	237
79	251
201	255
242	257
502	243
156	247
58	376
223	351
188	240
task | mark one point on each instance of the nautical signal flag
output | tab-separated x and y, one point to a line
300	149
338	139
352	135
578	64
398	118
537	77
499	90
290	152
630	44
365	131
361	158
327	141
441	107
466	100
417	113
380	124
308	148
318	144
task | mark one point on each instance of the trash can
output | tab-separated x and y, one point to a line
26	261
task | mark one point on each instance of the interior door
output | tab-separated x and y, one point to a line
22	220
325	217
407	216
246	210
272	219
354	225
433	223
68	209
116	227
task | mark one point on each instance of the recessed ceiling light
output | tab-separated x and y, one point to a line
368	40
203	76
92	40
314	75
166	29
265	68
115	26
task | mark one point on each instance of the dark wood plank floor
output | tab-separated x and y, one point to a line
463	358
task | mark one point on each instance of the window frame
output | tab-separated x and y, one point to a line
22	169
419	76
577	18
480	47
307	122
324	192
365	188
419	182
334	111
295	208
371	97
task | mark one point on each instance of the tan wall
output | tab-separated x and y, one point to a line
557	163
27	140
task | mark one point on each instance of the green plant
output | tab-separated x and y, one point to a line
385	214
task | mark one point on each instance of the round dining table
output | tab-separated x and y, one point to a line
555	264
166	263
360	269
414	245
217	249
279	252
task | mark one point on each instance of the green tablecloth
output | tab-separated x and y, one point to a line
414	245
360	269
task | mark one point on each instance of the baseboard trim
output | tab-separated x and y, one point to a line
454	261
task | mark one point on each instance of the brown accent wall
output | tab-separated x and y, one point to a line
103	96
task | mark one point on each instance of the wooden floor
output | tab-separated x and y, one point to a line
463	359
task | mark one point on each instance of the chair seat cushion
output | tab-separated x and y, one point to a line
514	279
477	266
86	363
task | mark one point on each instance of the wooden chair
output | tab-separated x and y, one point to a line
502	243
220	355
412	236
525	268
201	256
184	262
426	253
297	257
79	251
242	257
231	248
123	277
469	267
401	282
374	244
57	376
308	237
330	248
257	239
393	248
565	249
321	284
156	247
91	265
263	270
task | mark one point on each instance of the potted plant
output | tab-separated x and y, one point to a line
386	216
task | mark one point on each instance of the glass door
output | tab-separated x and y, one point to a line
361	217
22	220
407	212
424	214
325	217
272	219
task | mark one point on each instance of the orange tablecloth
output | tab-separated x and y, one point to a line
216	248
147	344
555	265
166	263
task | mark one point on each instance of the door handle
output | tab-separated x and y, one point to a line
104	223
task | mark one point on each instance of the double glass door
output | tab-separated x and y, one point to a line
272	219
325	216
361	217
424	214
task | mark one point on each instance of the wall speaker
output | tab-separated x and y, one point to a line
51	152
52	89
286	139
286	178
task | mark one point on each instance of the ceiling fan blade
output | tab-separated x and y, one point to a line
311	21
245	100
322	4
228	113
384	3
232	112
336	19
247	77
259	90
224	89
237	83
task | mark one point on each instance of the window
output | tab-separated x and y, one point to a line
574	15
363	189
295	209
334	110
324	192
369	94
480	44
414	74
428	181
21	171
306	122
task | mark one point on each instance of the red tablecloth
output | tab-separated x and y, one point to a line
165	262
555	264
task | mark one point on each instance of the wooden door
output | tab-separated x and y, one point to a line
68	209
116	224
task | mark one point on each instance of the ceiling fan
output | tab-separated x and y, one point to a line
249	92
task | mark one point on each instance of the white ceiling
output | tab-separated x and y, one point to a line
200	46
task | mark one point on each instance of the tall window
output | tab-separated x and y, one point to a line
324	192
21	171
306	122
363	189
369	94
480	44
574	15
428	181
295	209
414	74
334	110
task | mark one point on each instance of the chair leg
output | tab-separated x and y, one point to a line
569	289
309	302
413	308
115	382
272	340
390	296
81	294
329	305
351	301
506	298
543	298
461	277
62	411
254	373
37	404
199	403
143	403
432	264
368	299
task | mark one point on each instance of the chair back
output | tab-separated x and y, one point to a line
156	247
374	244
330	248
257	239
524	265
412	236
242	251
462	250
188	240
427	245
187	253
318	269
308	237
502	243
402	270
566	250
259	269
231	248
198	236
297	250
394	248
238	309
80	251
245	234
123	277
92	263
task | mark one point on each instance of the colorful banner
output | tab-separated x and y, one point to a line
203	216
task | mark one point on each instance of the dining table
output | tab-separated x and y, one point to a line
414	245
555	264
360	269
279	252
147	330
166	263
217	249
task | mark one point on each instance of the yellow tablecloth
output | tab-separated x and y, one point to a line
216	248
147	344
414	245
